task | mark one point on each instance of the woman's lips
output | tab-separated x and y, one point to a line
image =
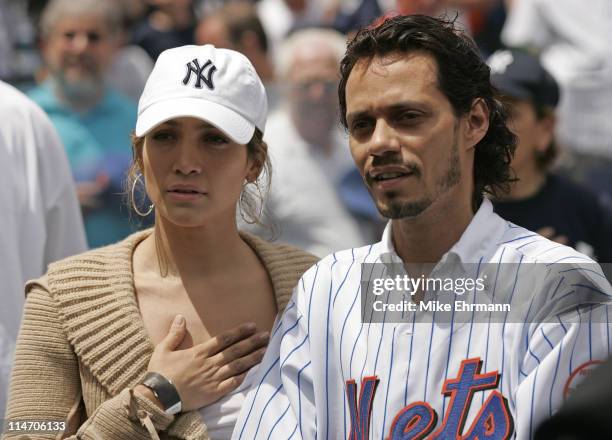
185	195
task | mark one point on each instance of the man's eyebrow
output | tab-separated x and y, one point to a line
409	105
357	115
398	106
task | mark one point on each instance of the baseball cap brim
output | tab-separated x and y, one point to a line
228	121
510	88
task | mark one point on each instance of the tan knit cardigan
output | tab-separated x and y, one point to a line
83	346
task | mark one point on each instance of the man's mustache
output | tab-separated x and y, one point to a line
87	61
393	160
396	160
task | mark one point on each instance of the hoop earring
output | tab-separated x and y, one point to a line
261	199
244	200
140	213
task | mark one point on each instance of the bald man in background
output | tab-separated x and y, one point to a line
309	151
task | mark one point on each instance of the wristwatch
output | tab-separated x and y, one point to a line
165	392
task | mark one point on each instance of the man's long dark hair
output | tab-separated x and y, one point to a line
463	76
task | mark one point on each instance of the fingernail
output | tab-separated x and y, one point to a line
250	326
264	335
178	320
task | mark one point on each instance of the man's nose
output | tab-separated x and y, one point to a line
384	139
80	42
316	91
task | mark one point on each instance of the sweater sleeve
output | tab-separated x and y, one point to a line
46	386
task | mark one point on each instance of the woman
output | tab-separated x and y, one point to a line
154	336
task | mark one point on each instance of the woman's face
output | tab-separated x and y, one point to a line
193	172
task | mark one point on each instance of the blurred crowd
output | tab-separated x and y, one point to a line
85	64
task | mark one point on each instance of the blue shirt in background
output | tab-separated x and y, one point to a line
97	143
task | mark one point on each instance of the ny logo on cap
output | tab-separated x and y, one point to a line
194	67
500	60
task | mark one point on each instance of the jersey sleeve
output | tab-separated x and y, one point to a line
558	353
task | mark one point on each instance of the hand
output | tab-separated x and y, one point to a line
550	233
208	371
89	192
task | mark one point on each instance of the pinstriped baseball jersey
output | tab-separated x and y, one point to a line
328	374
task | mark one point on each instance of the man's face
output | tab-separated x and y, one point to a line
79	50
409	146
213	30
312	82
534	135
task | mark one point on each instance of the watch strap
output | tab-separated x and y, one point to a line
165	391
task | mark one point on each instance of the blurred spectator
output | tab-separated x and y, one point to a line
575	41
487	18
281	17
131	64
129	71
236	26
549	204
307	65
18	55
171	23
352	15
482	19
40	218
78	41
309	152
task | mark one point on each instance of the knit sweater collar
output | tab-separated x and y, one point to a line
97	303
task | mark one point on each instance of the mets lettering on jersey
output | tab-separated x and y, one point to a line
418	419
329	374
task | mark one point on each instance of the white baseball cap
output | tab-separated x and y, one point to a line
219	86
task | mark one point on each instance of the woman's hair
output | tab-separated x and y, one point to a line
251	200
463	76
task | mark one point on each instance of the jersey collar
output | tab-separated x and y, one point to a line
477	243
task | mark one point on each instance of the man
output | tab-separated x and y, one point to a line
40	220
429	137
540	200
281	17
93	121
236	26
167	24
308	151
574	42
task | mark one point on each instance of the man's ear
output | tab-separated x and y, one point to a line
477	123
545	132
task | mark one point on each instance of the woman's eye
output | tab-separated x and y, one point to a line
215	140
162	136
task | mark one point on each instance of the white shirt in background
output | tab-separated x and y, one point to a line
575	40
302	206
40	218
